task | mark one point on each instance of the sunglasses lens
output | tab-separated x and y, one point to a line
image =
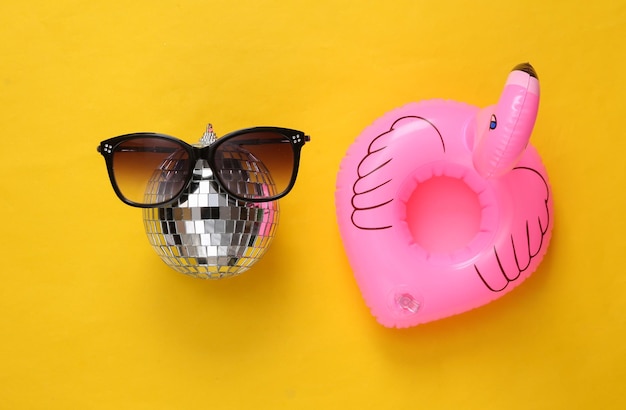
255	165
149	170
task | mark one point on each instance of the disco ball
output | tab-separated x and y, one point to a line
207	233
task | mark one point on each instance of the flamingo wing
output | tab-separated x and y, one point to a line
515	257
373	189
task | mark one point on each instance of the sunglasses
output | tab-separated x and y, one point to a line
149	170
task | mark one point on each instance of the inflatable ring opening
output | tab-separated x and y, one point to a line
449	212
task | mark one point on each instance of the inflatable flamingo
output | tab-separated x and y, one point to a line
444	207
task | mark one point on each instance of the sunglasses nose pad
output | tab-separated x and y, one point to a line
209	234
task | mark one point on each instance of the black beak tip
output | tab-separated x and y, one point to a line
527	68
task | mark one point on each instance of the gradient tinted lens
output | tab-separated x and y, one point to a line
256	165
150	170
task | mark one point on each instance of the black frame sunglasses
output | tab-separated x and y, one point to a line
212	153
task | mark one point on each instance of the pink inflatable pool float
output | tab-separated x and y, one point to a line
443	206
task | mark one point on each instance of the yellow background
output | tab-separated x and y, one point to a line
90	318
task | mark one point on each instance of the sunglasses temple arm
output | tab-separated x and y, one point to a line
158	150
262	141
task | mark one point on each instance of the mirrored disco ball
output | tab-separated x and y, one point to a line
207	233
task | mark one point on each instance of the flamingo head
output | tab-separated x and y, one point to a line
503	130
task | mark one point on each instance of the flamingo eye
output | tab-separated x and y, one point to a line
493	122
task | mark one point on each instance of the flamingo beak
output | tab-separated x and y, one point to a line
527	68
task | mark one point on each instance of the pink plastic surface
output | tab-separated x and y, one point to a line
443	207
